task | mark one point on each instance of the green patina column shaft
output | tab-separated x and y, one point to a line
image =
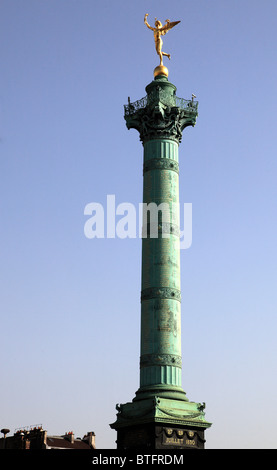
160	119
160	361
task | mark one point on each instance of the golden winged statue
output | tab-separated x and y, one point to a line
160	30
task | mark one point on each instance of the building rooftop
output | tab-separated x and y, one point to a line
37	438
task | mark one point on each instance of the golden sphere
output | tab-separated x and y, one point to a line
161	70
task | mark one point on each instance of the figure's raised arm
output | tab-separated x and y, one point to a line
145	22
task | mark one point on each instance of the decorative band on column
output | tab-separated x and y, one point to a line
160	293
161	164
148	360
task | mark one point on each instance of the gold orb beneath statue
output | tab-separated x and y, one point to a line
161	70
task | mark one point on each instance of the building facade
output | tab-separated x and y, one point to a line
35	438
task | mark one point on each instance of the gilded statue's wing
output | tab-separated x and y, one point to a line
168	25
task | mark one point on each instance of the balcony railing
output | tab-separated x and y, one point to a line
173	101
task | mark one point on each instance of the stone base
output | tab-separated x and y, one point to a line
167	420
149	437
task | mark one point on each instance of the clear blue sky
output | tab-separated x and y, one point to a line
70	306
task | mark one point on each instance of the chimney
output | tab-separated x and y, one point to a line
90	439
44	438
69	436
